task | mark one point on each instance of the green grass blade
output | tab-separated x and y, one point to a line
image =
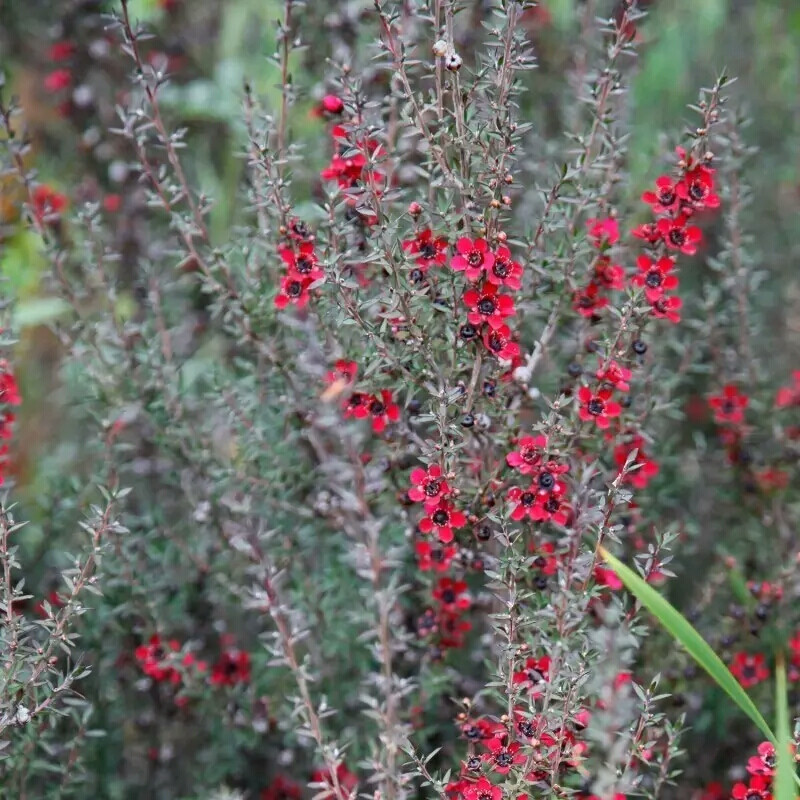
785	773
692	641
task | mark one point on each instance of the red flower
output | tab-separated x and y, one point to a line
665	199
607	577
452	629
487	305
541	501
232	667
697	188
729	405
472	257
9	390
667	308
764	762
433	556
499	343
749	669
614	375
282	788
528	455
505	271
789	395
343	370
603	232
442	519
758	789
293	290
587	302
608	275
598	406
654	277
302	263
157	660
48	204
346	780
57	80
642	469
61	51
383	411
534	675
429	250
482	789
648	231
680	236
429	487
545	562
452	595
503	756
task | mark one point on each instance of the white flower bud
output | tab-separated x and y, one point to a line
440	48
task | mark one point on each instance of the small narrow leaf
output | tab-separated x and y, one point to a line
681	630
785	772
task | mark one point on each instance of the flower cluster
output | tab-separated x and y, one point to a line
9	397
303	271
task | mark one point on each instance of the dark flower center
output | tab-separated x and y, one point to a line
437	554
697	191
432	488
748	671
295	289
527	728
585	301
416	275
769	760
677	236
475	258
540	562
304	265
728	406
428	250
534	676
501	268
473	763
552	505
546	480
440	517
654	279
472	732
449	596
527	498
300	229
595	406
529	455
660	305
666	196
504	758
377	407
486	306
496	342
484	796
753	795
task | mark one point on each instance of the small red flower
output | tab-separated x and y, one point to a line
654	277
614	375
541	501
9	390
534	675
294	290
428	486
381	408
667	308
486	305
607	577
665	199
505	271
789	395
499	343
749	669
442	519
603	232
343	370
642	469
545	563
729	405
345	779
452	595
427	249
58	80
764	762
482	789
758	789
680	236
598	406
61	51
528	455
697	188
302	263
232	667
157	659
503	756
282	788
434	556
607	275
588	301
648	231
472	257
48	204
